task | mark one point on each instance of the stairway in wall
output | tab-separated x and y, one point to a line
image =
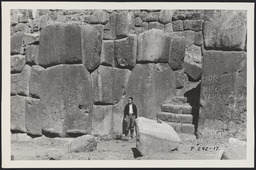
178	113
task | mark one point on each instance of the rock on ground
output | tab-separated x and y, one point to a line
155	137
235	150
83	144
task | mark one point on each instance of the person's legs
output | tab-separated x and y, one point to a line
132	122
127	125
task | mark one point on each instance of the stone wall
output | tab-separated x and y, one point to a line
73	70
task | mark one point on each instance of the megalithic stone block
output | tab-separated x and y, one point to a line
18	111
125	24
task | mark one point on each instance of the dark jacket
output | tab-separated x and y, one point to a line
126	110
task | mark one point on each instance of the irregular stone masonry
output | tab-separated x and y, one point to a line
144	49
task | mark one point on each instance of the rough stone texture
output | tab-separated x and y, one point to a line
21	27
103	80
177	108
99	17
138	22
150	85
121	77
36	81
187	128
17	63
30	38
60	43
235	150
24	16
143	15
32	54
168	28
14	16
100	28
225	30
152	16
165	16
194	70
20	137
65	106
91	47
223	91
16	43
144	26
118	116
188	24
18	113
33	117
138	30
112	25
199	39
194	52
177	25
107	53
179	79
155	25
126	51
125	24
177	52
197	25
102	119
153	46
155	137
20	82
83	143
166	116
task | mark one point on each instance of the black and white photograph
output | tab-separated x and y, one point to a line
128	83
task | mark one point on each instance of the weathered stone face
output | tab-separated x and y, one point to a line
153	46
220	91
150	85
165	16
33	117
225	30
85	143
67	102
107	53
118	116
103	80
59	44
155	25
20	82
194	52
177	53
126	51
193	69
30	38
91	47
18	113
99	17
17	63
16	43
101	119
125	24
36	81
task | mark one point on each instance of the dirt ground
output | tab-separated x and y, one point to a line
42	148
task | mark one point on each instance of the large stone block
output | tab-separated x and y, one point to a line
60	43
107	53
67	107
138	22
32	54
155	25
177	25
16	43
20	82
177	52
125	24
112	25
33	117
190	37
235	150
30	38
165	16
14	16
118	116
126	51
225	30
194	70
199	40
121	77
223	94
17	63
153	46
99	17
18	111
103	81
155	137
168	28
194	52
36	81
102	119
152	16
150	85
197	25
91	47
86	143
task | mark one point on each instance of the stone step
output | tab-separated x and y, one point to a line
172	117
184	108
182	127
179	99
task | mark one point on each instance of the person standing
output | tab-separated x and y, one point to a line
130	114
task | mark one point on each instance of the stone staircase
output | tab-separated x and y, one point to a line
178	113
